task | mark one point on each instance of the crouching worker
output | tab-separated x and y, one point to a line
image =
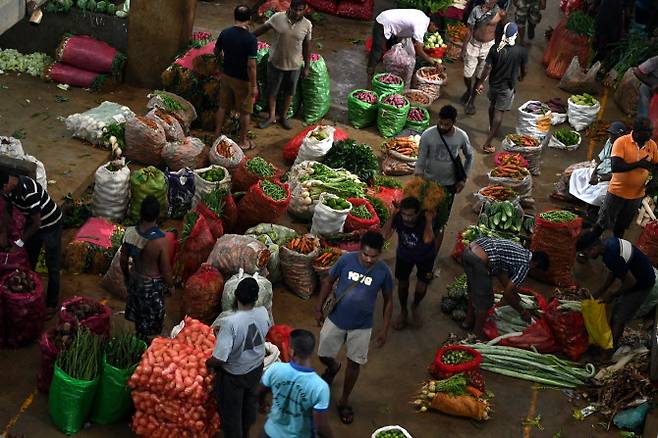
510	263
147	271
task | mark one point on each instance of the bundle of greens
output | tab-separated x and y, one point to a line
581	23
386	182
380	209
124	351
357	158
81	359
320	178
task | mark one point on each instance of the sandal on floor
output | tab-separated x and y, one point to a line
329	376
346	413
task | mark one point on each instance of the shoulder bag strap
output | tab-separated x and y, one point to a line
445	143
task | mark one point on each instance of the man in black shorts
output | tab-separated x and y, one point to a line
415	248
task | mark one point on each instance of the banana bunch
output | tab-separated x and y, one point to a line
502	216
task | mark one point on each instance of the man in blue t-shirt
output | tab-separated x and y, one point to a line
416	247
300	398
627	264
236	48
360	275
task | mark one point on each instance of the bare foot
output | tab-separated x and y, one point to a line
401	322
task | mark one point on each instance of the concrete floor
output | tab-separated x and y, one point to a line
394	372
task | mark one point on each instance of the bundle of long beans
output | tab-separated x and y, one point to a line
81	359
124	351
545	369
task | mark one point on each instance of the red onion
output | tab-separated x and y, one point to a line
366	96
262	45
416	115
389	79
395	100
315	57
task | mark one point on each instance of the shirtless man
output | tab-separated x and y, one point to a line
147	271
481	37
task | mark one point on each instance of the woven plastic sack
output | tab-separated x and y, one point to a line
522	187
144	182
49	353
400	60
195	249
291	148
535	125
558	241
353	223
326	220
360	114
225	152
531	154
16	259
297	269
557	144
185	114
70	401
170	124
627	93
273	236
429	86
243	178
256	207
78	77
596	322
391	120
391	166
230	213
41	171
396	428
180	193
314	149
11	147
418	126
191	152
85	52
581	116
98	324
233	252
145	139
381	88
570	45
229	305
203	293
569	330
89	124
111	192
480	201
203	187
24	313
279	335
648	242
316	90
113	281
215	224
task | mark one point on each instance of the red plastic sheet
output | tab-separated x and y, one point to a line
96	231
187	60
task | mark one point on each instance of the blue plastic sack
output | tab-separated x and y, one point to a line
633	418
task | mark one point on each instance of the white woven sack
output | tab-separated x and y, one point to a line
11	147
390	428
265	292
203	187
581	116
557	144
536	125
326	220
313	149
111	192
231	162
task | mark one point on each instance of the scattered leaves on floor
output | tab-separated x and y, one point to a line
61	99
19	134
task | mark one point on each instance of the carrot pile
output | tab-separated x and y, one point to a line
171	386
457	32
224	148
303	245
515	159
404	145
525	141
498	193
510	171
328	257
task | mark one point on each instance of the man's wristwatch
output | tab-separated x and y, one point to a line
19	243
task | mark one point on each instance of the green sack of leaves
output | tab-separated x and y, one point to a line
316	90
418	125
361	114
390	119
70	401
144	182
381	88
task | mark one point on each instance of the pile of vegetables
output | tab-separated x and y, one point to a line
457	32
455	301
630	52
84	309
417	97
453	396
318	178
367	97
456	357
545	369
510	171
124	351
386	182
404	145
302	245
581	23
566	136
396	100
523	140
432	74
272	190
430	194
426	5
361	212
20	282
416	115
81	359
328	257
113	138
433	41
224	148
260	167
33	64
584	99
170	104
320	133
558	216
556	105
380	208
357	158
214	174
391	433
475	232
498	192
501	216
509	158
389	79
536	108
336	203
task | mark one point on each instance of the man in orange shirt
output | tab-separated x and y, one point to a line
633	157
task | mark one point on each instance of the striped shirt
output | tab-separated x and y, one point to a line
506	257
30	198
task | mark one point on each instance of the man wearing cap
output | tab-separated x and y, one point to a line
505	65
590	184
633	157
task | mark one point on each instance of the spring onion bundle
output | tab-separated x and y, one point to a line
81	359
124	351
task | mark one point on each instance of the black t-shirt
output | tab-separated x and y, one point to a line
410	240
506	66
238	45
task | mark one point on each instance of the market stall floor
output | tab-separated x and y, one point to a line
394	372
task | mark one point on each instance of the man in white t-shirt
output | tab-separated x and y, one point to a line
393	26
238	361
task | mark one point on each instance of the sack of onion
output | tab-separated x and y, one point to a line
86	312
24	308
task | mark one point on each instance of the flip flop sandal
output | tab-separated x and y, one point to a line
346	414
329	376
266	123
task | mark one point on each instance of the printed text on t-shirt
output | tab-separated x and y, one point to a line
358	277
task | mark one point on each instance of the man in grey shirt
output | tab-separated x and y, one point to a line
238	361
436	162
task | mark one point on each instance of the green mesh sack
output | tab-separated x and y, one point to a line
70	401
381	88
390	119
262	56
361	114
144	182
316	90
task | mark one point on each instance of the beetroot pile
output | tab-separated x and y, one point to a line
20	282
389	79
366	96
84	309
416	115
395	100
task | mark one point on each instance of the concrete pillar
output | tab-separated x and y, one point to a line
157	31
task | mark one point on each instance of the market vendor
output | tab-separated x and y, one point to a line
393	26
147	271
43	229
647	73
627	264
510	263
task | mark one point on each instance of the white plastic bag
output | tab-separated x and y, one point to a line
314	149
557	144
11	147
111	191
390	428
536	125
203	187
89	125
400	60
558	118
234	153
326	220
576	81
581	116
265	292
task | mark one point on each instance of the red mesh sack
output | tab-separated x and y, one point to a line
387	195
441	370
558	241
23	313
279	335
242	179
291	148
230	214
16	224
195	249
213	221
459	248
648	242
554	42
353	223
48	357
16	259
144	139
68	74
537	335
359	10
569	330
98	323
203	294
570	45
653	115
256	207
326	6
83	51
190	152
